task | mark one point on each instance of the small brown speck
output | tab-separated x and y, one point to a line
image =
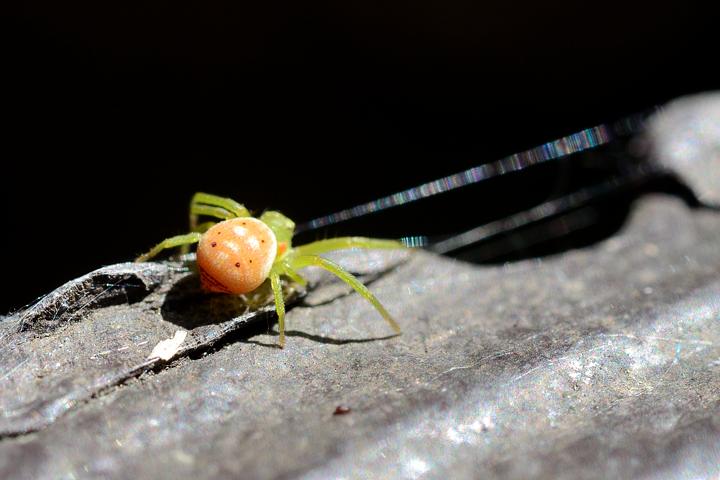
213	244
250	261
237	264
341	410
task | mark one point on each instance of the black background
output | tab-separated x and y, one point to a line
116	113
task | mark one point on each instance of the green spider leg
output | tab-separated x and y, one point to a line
282	268
329	245
279	304
202	228
286	269
205	204
341	243
296	262
347	277
214	206
171	242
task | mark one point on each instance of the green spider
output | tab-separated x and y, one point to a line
237	254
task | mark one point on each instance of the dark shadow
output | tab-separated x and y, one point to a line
114	289
320	338
189	306
261	344
580	227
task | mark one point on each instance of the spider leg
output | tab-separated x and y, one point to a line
171	242
206	210
315	261
202	228
227	203
286	269
214	206
341	243
279	305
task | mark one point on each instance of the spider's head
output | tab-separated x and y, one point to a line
282	227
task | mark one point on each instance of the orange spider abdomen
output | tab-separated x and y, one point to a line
236	255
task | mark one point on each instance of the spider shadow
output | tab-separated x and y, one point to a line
188	306
318	338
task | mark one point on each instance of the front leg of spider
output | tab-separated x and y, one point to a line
316	261
239	253
172	242
279	306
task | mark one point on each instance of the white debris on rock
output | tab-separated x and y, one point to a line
166	349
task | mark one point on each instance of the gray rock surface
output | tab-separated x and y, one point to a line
685	138
602	362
